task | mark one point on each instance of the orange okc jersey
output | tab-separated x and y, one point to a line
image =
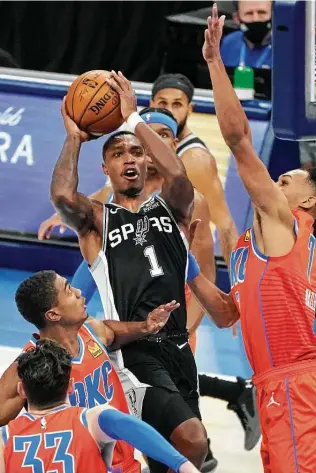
276	299
96	382
57	442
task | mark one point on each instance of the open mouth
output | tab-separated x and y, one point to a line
130	174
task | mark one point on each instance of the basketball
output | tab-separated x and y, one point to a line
93	105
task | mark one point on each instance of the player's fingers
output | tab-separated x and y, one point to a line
63	107
112	83
62	229
118	80
42	231
127	83
215	12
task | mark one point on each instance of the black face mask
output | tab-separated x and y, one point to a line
256	31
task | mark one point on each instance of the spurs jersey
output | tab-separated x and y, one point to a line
275	298
189	142
142	263
56	442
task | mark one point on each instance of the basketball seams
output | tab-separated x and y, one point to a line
73	94
84	111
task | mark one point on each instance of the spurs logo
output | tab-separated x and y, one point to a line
141	231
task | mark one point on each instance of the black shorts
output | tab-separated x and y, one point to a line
172	370
173	396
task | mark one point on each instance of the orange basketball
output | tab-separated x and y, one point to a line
93	105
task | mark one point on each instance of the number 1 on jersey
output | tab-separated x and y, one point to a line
155	269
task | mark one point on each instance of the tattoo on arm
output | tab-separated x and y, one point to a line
75	209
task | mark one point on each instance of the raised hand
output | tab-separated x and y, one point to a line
213	35
46	227
71	127
158	318
124	88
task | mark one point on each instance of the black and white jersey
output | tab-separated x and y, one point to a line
142	263
189	142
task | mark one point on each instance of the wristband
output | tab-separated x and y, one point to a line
193	267
133	121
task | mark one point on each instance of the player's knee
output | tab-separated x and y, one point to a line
190	438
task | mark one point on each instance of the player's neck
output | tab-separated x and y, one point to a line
153	184
184	133
39	412
67	337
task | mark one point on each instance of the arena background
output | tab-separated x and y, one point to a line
64	38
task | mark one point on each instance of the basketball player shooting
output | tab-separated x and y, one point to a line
137	252
271	290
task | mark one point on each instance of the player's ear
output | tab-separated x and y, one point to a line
71	386
21	391
52	315
190	108
105	169
151	103
309	202
175	143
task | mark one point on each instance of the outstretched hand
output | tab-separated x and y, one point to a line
158	318
213	35
124	88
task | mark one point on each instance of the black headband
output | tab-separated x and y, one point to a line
173	82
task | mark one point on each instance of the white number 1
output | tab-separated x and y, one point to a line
155	269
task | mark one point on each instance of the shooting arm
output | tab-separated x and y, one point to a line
75	209
177	190
219	306
236	132
10	401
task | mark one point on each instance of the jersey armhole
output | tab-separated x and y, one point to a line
83	418
4	434
105	227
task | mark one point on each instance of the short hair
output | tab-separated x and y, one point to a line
113	136
45	373
312	177
158	110
174	81
35	296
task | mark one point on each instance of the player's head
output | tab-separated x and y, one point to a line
45	374
124	161
46	299
174	92
254	18
299	187
165	125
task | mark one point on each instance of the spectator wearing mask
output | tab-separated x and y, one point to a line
251	44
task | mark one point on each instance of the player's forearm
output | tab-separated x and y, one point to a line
74	209
165	159
229	112
219	306
140	435
126	332
228	236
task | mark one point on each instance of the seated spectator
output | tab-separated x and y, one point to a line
251	44
307	154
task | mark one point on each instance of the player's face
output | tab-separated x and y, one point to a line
176	102
296	188
70	309
251	11
165	134
125	164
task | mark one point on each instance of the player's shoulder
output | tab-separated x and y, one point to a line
99	330
303	221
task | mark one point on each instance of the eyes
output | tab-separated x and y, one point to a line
137	152
164	104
